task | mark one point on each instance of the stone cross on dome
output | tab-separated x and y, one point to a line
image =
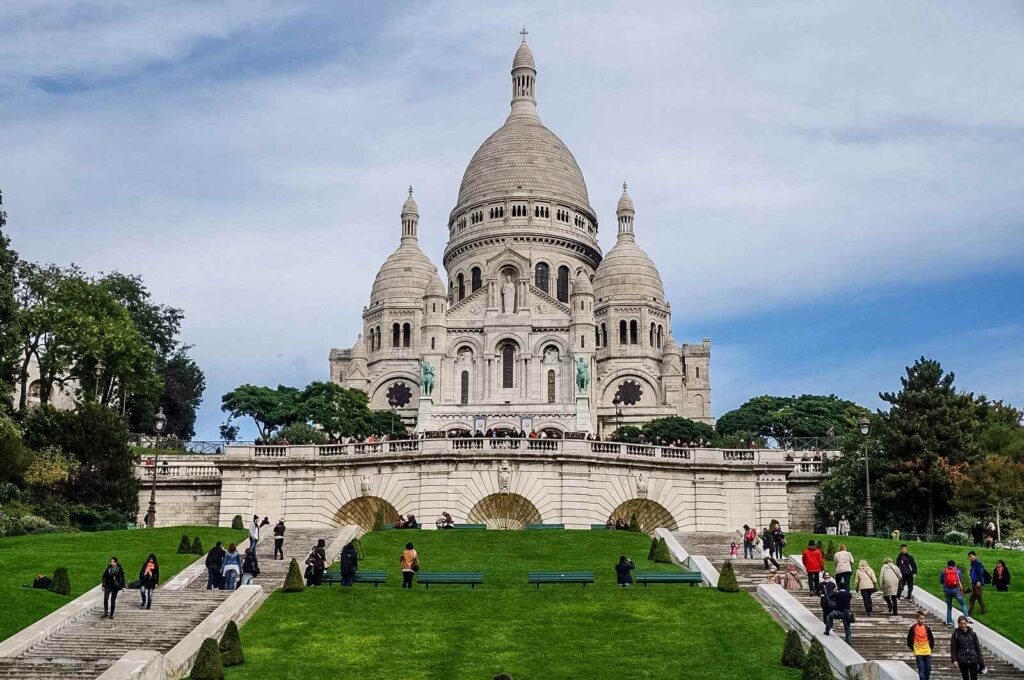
524	32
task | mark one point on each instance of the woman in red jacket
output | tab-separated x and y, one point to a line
814	563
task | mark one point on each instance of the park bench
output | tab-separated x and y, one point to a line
332	576
539	577
471	578
691	577
598	527
533	527
470	526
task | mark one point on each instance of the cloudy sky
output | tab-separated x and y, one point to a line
829	189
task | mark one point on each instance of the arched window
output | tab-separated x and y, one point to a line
551	386
622	333
660	331
542	276
396	335
376	338
432	343
475	278
464	388
604	335
633	332
697	368
406	335
462	286
369	341
508	366
651	342
597	337
563	284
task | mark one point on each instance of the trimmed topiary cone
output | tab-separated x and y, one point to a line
662	554
378	521
634	524
197	547
208	665
293	581
358	545
830	551
653	550
61	583
231	646
793	655
237	523
727	579
816	667
184	545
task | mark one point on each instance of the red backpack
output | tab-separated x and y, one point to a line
750	535
951	578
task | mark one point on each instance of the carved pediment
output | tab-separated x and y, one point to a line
509	255
547	300
479	297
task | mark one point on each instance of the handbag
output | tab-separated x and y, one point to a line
416	564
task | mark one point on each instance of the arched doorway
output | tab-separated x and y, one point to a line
364	511
650	514
504	511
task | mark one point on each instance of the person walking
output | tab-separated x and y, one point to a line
749	536
316	563
279	540
952	588
977	583
844	526
889	581
840	610
921	642
908	570
149	577
766	550
214	561
349	564
250	567
1001	577
814	563
844	566
965	650
112	581
231	568
779	539
623	572
826	592
254	531
409	563
866	583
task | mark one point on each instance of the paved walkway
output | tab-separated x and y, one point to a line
89	645
876	637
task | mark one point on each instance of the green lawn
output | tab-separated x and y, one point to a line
559	631
1004	609
85	555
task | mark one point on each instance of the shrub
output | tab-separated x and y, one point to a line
653	550
727	579
237	522
634	524
358	545
293	581
816	666
197	546
209	665
793	655
231	646
955	538
300	433
31	524
662	554
830	550
61	583
184	545
627	433
378	521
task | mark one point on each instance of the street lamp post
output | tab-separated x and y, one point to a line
392	403
864	423
159	423
617	403
97	373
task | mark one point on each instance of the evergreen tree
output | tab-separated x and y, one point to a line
9	338
817	667
358	546
61	583
197	547
727	579
378	521
830	550
634	524
661	553
208	665
231	646
293	582
654	549
184	546
793	655
237	522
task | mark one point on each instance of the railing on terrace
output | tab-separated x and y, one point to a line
176	468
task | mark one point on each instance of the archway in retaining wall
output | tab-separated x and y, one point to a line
504	511
363	512
650	514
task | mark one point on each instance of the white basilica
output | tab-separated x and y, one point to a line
536	330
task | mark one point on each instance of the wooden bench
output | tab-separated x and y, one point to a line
470	526
471	578
375	577
599	527
691	577
539	577
534	527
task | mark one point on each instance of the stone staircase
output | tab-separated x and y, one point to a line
875	637
89	645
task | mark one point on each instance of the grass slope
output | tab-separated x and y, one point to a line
561	631
85	555
1004	609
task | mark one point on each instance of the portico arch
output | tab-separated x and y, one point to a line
504	511
650	514
363	512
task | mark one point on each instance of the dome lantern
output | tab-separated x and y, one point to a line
410	217
524	81
625	211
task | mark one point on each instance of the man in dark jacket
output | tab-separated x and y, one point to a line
965	650
279	540
349	564
840	610
908	569
977	583
214	561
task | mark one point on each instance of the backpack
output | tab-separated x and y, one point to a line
986	577
950	577
750	536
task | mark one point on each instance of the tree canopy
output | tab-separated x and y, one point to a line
8	314
674	428
784	418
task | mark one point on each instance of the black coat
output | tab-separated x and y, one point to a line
964	647
349	562
1001	581
906	564
769	541
279	530
622	574
150	581
250	565
113	581
215	558
317	559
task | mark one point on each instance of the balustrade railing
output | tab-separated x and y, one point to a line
332	450
681	454
367	449
605	447
404	446
639	450
270	451
737	454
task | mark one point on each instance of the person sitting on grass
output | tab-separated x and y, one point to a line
623	577
610	524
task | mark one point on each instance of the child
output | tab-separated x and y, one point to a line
734	550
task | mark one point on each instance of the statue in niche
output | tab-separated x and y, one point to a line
641	486
465	356
366	485
508	296
426	377
582	374
551	355
504	477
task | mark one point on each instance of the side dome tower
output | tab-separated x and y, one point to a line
627	273
407	272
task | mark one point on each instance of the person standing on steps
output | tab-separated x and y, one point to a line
349	564
254	531
840	610
965	650
952	588
214	561
814	563
908	570
766	547
844	566
279	540
149	577
409	563
921	642
316	563
112	581
749	536
623	572
977	583
250	567
231	568
866	583
826	592
889	581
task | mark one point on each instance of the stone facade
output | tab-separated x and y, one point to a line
530	298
